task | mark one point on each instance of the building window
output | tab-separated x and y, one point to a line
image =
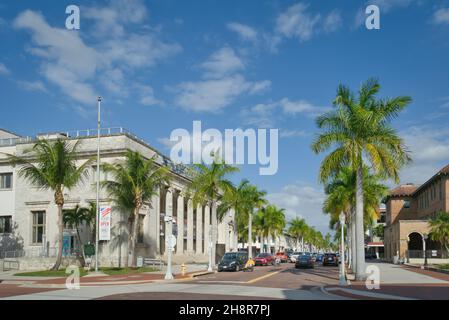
6	224
441	190
5	180
38	226
140	228
406	204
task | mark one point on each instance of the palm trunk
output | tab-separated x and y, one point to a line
353	242
134	237
360	235
60	238
302	244
349	237
81	253
250	238
130	234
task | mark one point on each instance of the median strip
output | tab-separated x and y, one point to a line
263	277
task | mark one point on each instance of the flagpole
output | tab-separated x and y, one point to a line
97	225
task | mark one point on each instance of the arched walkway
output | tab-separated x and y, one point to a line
415	241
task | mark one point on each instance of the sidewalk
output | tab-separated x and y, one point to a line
398	283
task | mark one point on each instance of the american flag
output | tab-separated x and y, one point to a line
105	211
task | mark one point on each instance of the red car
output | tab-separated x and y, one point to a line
282	256
264	259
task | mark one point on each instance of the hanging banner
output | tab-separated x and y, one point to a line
105	223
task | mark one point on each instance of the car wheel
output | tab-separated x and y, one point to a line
237	268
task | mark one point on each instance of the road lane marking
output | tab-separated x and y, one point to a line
263	277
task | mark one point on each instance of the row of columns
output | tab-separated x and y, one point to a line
202	232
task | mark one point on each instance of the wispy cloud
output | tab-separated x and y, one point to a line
32	86
4	70
245	32
112	56
222	83
441	16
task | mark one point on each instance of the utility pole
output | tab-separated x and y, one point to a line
97	218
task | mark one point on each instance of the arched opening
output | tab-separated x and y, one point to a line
415	245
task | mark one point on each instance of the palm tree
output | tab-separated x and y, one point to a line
360	130
269	222
298	229
74	218
341	198
439	229
133	183
52	165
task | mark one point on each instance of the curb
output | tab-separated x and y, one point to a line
363	294
427	268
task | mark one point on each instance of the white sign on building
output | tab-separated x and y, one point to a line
105	223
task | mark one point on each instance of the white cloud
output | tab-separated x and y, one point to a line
222	63
215	94
32	86
441	16
222	84
4	70
80	69
429	148
298	22
147	97
245	32
303	201
268	114
293	133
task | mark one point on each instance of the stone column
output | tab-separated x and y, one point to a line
180	221
168	213
206	228
189	226
155	202
199	234
215	231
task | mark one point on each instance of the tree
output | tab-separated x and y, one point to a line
298	229
53	165
360	130
439	229
269	222
133	183
74	218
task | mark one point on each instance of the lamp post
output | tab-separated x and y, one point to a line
169	220
425	236
97	218
342	281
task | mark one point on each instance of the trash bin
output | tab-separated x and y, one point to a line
139	262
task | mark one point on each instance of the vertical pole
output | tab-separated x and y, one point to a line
169	221
209	268
97	225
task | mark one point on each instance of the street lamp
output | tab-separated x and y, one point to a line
342	254
97	218
169	220
425	236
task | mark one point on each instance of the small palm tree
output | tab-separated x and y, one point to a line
52	165
298	229
74	218
439	229
133	183
359	129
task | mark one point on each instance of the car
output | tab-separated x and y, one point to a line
282	256
370	256
319	257
305	261
233	261
294	256
330	259
264	259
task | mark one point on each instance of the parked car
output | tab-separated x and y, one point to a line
319	257
282	256
233	261
294	256
305	261
330	259
264	259
370	256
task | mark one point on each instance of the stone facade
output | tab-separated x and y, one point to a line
26	204
408	209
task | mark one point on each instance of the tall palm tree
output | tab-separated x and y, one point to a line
360	130
269	222
133	183
298	228
52	164
439	229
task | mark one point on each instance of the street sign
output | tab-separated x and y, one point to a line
171	241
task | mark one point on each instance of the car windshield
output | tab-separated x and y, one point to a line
263	255
230	256
305	257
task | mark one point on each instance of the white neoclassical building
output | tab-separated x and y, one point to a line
28	215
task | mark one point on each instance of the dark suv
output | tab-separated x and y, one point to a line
330	259
233	261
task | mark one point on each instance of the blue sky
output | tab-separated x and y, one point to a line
252	64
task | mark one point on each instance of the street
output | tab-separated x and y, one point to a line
282	282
